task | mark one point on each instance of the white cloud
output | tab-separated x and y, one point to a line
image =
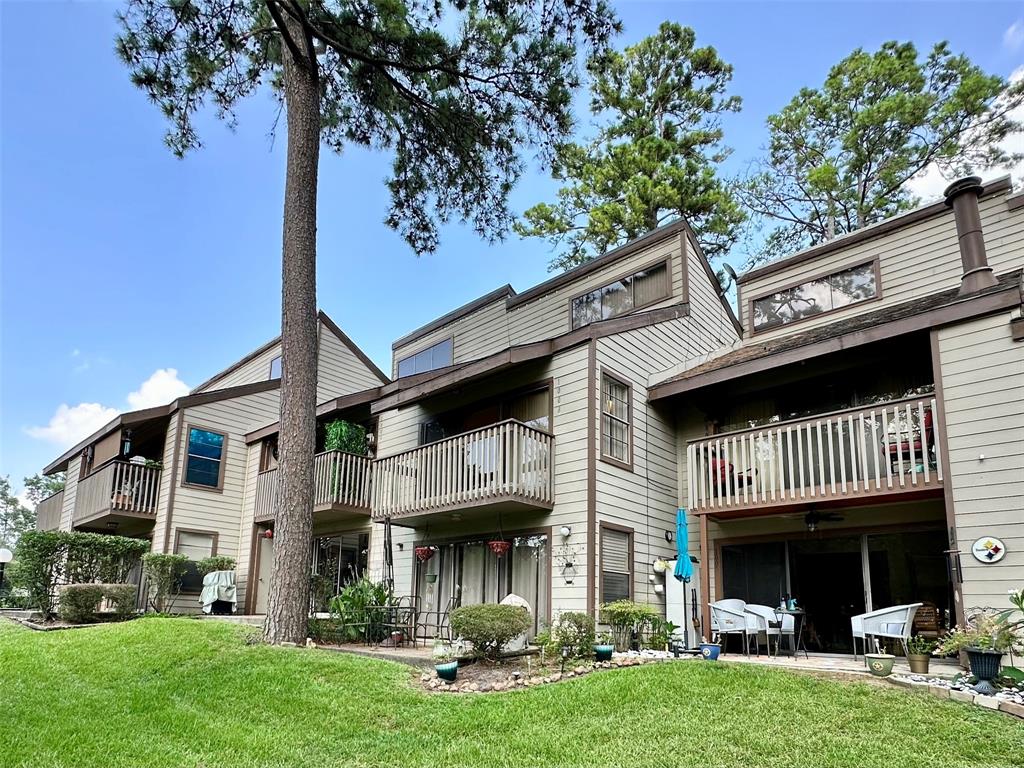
159	389
72	423
1013	37
930	183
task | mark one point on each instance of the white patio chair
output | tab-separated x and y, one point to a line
732	619
772	624
895	623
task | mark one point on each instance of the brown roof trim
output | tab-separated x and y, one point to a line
401	392
499	293
330	406
599	262
989	303
1015	201
235	366
1002	184
161	411
353	348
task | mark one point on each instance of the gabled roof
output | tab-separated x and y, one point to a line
915	315
330	325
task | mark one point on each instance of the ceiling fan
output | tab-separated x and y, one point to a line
812	518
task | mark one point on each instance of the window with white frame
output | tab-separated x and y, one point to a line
616	407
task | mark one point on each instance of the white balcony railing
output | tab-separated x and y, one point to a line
507	461
339	479
888	448
119	486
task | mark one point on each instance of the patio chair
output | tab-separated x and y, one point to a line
895	623
437	620
927	621
898	445
403	614
772	624
732	619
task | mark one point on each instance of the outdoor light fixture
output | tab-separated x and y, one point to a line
568	571
566	531
669	536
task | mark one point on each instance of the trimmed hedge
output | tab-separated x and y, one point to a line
215	563
49	559
78	602
489	627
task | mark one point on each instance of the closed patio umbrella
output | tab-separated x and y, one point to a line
684	568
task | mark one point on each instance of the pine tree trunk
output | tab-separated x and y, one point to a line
288	602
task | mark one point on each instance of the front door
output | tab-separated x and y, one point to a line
266	567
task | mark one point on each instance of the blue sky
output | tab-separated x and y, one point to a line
120	264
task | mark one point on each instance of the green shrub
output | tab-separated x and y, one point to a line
489	627
328	631
341	435
78	602
574	631
361	608
215	563
122	599
48	559
163	573
625	617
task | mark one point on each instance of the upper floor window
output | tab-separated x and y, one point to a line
437	356
204	464
616	415
275	368
632	292
815	297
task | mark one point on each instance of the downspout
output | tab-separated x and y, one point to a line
962	197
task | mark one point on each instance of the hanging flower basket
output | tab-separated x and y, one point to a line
424	553
499	548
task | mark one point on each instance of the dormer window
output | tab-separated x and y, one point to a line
629	293
437	356
816	297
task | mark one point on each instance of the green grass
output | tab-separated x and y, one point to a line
180	692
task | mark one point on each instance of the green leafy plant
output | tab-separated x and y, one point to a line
921	645
489	627
341	435
121	598
983	631
78	602
40	567
361	608
327	631
624	617
574	631
215	563
163	573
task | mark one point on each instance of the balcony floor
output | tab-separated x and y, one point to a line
330	514
484	509
738	510
120	522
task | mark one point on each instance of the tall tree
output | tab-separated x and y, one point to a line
655	157
840	157
39	487
15	517
455	109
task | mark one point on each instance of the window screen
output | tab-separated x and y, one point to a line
195	546
615	426
205	455
616	577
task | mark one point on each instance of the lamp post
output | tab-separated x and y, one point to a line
5	557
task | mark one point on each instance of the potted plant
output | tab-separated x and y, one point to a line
919	650
445	663
709	651
603	647
985	637
878	663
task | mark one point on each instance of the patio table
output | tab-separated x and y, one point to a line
799	620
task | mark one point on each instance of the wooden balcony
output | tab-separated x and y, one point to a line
341	489
118	494
506	466
48	512
855	456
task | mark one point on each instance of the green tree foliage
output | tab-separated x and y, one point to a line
15	517
655	157
163	575
39	487
453	90
341	435
839	157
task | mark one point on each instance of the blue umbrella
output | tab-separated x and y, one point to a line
684	568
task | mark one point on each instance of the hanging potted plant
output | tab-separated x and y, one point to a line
424	553
499	547
919	650
445	663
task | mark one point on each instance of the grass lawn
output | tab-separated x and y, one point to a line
180	692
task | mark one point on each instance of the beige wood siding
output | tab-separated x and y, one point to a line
983	391
921	259
493	328
67	509
339	371
166	483
257	369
